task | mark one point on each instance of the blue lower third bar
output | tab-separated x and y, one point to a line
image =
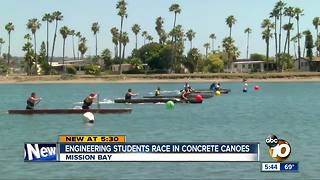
289	167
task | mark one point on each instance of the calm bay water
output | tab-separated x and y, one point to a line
288	110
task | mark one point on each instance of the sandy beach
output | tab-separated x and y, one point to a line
168	78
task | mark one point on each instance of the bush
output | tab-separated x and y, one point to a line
134	71
92	69
3	68
71	70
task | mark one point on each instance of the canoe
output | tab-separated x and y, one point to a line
223	91
204	95
156	100
70	111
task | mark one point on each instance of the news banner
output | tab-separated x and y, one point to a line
114	148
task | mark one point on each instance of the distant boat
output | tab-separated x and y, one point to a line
157	100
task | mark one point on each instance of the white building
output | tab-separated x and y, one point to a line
246	66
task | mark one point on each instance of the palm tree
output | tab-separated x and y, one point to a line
213	37
64	31
78	34
294	39
95	28
122	12
72	34
288	11
149	38
288	28
144	35
124	41
115	39
82	46
56	16
275	14
207	46
177	10
9	27
230	21
1	43
34	25
298	13
136	29
47	18
159	28
266	34
248	31
316	23
280	5
190	35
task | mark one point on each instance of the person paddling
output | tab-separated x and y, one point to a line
32	101
87	102
245	86
157	92
184	95
129	94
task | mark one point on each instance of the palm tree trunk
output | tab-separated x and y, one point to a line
280	30
318	50
63	48
286	42
295	50
276	40
47	41
120	38
206	53
54	42
230	32
191	44
78	49
0	50
248	46
289	36
136	41
96	44
212	45
124	50
144	41
35	52
267	53
73	50
8	55
299	49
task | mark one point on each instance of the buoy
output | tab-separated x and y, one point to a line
89	117
217	93
198	97
170	105
256	87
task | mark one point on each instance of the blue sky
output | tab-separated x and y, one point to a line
203	16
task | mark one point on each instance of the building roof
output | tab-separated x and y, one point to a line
248	62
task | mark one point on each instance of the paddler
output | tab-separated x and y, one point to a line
245	86
129	94
87	102
188	88
157	92
184	95
32	101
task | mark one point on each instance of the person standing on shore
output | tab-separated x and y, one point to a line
245	86
32	101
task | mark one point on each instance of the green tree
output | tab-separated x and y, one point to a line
280	5
95	28
1	43
230	21
275	14
193	59
136	29
230	49
122	12
206	46
316	23
248	31
289	12
9	28
159	28
149	38
213	37
285	61
64	31
107	58
82	46
124	41
266	34
34	25
214	63
298	13
115	39
175	8
309	44
178	47
258	57
56	16
48	18
43	59
29	54
190	35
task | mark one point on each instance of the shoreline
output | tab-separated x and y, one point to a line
168	78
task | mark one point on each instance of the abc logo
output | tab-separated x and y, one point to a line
279	149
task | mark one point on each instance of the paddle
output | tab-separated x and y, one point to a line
98	101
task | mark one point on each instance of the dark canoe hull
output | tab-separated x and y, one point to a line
223	91
205	96
70	111
156	100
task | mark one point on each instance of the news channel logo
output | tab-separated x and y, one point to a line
279	149
40	152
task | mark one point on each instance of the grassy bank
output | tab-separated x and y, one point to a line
159	77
